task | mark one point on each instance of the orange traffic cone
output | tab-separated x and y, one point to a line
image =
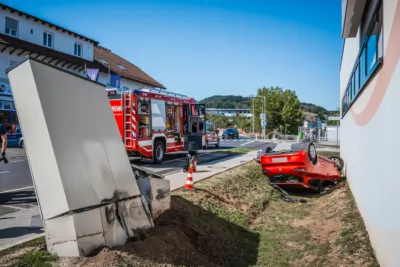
189	179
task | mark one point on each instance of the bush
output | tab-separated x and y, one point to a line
270	135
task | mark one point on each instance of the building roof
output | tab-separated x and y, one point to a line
51	25
105	58
20	46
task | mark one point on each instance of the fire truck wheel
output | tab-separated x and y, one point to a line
159	151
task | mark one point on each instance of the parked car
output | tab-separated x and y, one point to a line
21	142
211	138
301	168
230	133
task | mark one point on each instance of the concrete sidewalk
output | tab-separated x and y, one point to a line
15	228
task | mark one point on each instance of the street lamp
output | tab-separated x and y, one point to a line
263	108
263	111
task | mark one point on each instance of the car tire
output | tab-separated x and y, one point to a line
312	153
158	151
217	145
338	162
23	144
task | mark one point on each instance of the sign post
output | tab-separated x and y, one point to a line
262	118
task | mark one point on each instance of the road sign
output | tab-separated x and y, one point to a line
334	118
265	123
262	116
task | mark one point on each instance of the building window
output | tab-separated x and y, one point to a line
370	57
48	39
102	61
11	27
78	50
120	66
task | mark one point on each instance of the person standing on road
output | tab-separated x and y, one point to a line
3	133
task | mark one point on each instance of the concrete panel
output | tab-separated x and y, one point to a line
74	148
75	235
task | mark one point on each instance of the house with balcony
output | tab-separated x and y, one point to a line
22	34
370	97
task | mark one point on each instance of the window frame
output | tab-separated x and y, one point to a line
103	61
5	27
361	63
47	39
121	67
77	44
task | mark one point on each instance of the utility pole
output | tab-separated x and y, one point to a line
253	115
265	116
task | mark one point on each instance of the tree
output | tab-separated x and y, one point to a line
282	110
320	116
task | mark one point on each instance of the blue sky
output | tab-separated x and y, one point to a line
207	47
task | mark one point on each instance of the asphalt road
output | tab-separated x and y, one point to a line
16	186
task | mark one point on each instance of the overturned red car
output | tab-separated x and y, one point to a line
302	168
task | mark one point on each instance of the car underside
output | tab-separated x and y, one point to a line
301	169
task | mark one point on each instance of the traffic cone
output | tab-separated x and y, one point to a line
189	180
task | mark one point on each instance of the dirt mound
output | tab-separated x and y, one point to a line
186	235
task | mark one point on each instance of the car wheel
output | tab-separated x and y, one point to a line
338	162
217	145
158	151
22	144
312	153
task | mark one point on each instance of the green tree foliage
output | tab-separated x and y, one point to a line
312	108
282	109
227	122
226	101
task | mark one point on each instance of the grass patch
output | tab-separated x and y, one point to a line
36	259
239	150
328	153
32	253
236	219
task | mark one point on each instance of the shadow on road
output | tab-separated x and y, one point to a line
20	197
14	232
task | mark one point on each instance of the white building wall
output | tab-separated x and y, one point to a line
62	42
369	145
5	61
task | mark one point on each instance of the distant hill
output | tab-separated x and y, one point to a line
234	101
226	101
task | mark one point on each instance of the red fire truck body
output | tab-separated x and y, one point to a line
153	122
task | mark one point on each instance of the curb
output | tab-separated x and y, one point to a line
20	242
217	173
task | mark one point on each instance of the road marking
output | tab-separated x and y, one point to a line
14	207
13	161
247	143
16	190
4	172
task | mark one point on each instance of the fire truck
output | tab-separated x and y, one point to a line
154	122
